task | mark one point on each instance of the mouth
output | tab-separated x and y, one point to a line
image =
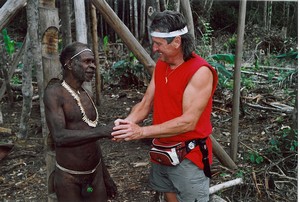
90	75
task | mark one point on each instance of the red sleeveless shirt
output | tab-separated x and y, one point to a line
168	103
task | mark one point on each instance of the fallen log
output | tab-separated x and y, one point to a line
224	185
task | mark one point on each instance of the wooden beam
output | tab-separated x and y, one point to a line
221	154
9	10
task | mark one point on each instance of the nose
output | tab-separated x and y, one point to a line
154	48
92	65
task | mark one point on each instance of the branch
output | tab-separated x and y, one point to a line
286	110
224	185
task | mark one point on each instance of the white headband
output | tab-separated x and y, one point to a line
87	49
170	34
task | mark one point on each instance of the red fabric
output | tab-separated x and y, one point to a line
168	102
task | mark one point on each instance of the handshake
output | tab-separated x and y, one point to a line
122	129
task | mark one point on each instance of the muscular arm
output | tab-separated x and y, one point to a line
57	125
195	98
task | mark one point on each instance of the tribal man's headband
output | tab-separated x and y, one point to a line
170	34
87	49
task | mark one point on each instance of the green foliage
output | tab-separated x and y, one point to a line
16	80
231	44
285	141
255	157
128	70
105	44
206	36
240	174
9	44
219	61
289	55
289	138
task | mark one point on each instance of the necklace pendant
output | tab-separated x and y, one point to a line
166	78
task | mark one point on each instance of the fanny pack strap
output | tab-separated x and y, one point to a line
201	142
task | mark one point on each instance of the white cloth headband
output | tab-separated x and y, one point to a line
170	34
87	49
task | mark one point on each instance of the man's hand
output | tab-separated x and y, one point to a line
126	130
106	130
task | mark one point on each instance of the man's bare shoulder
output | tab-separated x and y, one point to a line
53	88
53	83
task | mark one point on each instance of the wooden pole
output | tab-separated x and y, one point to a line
96	52
237	80
120	28
81	30
221	154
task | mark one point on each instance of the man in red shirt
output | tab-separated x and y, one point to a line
180	94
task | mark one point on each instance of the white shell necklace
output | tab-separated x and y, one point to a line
77	98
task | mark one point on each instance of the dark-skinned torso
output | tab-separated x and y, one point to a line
68	117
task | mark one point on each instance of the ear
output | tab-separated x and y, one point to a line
68	65
177	41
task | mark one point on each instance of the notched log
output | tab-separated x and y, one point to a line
50	41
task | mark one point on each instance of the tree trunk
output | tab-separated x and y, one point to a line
9	10
49	36
27	89
116	6
237	81
37	63
187	11
81	29
177	5
143	20
65	16
4	66
135	20
80	19
96	52
131	16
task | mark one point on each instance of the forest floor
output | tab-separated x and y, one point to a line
267	175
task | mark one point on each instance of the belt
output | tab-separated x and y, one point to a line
191	144
74	172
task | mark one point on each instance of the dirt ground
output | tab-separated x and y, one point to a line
23	171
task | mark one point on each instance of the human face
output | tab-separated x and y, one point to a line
84	67
166	51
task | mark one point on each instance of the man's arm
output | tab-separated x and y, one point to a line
195	98
57	125
142	109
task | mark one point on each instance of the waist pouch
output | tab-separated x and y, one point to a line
172	154
167	154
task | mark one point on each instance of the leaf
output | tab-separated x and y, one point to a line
291	55
120	64
259	159
229	58
9	44
221	69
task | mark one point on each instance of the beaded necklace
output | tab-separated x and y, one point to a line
77	98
